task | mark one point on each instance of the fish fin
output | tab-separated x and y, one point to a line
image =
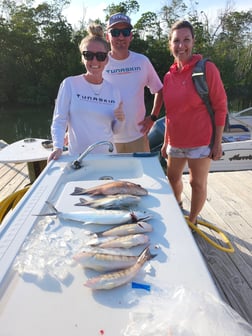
46	214
133	216
92	234
78	191
52	207
145	218
83	202
98	234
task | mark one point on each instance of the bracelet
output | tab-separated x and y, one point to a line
153	117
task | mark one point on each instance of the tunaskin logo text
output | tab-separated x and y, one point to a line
95	99
121	71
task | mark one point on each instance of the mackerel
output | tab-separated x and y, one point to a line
102	217
104	262
121	277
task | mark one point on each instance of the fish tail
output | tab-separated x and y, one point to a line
98	234
78	191
145	255
52	207
83	202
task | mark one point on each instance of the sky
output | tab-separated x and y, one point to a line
93	9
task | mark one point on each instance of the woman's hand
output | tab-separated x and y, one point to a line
216	152
119	114
163	151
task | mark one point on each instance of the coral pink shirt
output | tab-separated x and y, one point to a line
188	123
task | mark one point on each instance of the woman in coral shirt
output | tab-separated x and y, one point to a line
188	128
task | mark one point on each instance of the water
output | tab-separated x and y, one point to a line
21	123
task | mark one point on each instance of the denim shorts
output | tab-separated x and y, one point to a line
188	153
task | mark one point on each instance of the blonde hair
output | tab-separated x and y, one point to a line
95	33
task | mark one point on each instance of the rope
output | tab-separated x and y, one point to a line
11	201
224	238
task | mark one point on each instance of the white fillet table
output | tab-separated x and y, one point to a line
41	304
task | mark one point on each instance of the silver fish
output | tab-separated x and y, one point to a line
126	229
111	201
104	262
123	242
103	217
113	188
121	277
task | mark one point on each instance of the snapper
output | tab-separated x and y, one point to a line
113	188
111	201
123	241
126	229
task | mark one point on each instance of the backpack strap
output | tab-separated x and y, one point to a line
199	80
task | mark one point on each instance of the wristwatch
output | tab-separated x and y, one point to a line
153	117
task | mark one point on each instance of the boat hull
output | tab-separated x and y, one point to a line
237	147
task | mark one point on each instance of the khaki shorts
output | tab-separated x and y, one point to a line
188	153
139	145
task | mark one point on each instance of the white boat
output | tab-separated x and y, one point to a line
243	117
237	142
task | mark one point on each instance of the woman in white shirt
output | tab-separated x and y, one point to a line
87	106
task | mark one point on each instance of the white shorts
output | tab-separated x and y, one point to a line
188	153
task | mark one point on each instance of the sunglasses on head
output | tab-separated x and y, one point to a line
116	32
89	55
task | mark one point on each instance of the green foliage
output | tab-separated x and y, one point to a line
39	48
127	7
38	53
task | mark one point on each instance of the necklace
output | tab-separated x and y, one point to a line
96	88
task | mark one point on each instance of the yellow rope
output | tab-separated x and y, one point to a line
224	238
11	201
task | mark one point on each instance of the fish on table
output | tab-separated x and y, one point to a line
125	229
113	188
122	242
103	217
121	277
105	262
111	201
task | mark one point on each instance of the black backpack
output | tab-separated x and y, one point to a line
199	80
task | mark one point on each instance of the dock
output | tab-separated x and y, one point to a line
13	177
228	206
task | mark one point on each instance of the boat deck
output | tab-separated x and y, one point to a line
228	206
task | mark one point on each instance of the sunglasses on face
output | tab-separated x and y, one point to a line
116	32
89	55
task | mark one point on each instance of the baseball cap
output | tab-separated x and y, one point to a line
118	18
